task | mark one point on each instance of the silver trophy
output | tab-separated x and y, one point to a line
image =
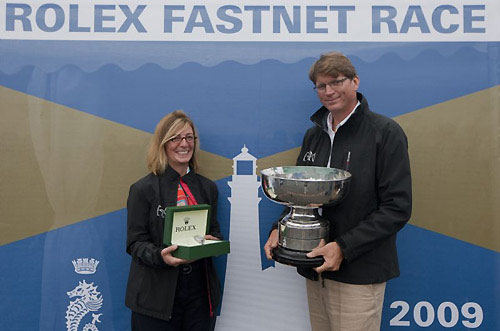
304	190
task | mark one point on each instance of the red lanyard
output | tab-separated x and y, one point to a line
190	198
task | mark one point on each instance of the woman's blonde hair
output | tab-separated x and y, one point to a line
168	127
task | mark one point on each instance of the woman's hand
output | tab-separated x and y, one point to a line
210	237
166	254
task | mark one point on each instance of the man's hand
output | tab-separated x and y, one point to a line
210	237
332	254
166	254
271	243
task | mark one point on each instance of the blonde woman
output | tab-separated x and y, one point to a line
164	292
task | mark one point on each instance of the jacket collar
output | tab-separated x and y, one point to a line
171	176
320	116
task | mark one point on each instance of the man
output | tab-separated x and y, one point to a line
361	254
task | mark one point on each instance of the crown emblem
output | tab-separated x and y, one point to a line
85	266
186	220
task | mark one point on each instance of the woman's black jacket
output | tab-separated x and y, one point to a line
152	283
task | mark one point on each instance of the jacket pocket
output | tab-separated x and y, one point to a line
157	290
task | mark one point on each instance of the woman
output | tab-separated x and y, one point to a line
165	292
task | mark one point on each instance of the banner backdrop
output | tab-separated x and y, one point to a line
83	84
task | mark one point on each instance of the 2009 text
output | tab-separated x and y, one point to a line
448	315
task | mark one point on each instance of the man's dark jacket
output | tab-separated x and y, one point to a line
152	283
378	203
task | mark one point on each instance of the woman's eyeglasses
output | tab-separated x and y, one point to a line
177	139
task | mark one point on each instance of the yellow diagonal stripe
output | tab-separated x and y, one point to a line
285	158
455	158
60	166
214	166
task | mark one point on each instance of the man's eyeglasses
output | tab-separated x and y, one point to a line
332	84
177	139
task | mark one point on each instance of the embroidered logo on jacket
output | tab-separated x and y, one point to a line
309	157
160	212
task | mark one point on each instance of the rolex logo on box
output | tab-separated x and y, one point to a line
184	226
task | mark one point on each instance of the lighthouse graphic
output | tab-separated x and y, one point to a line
256	299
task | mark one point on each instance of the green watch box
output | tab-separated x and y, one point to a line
186	226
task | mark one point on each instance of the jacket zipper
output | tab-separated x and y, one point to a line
208	290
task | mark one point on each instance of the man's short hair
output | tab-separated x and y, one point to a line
332	64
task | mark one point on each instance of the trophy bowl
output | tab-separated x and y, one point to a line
304	190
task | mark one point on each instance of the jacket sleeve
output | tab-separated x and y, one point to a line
393	180
139	243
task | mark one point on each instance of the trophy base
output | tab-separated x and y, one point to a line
296	259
